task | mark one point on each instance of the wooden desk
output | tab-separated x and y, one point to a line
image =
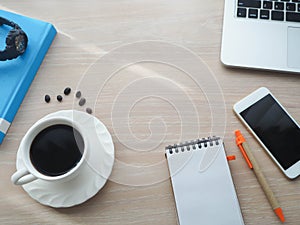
89	29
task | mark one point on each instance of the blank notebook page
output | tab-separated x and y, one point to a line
202	184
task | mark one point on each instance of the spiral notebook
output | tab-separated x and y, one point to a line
202	184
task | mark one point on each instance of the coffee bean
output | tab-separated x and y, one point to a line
89	110
67	91
78	94
59	98
82	101
47	98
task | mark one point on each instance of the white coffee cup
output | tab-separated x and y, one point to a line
30	173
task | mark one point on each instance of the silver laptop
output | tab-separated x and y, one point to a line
262	34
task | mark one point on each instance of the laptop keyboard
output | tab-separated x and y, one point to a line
280	10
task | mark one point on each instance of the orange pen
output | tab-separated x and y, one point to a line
244	147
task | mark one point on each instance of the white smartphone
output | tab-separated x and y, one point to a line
273	127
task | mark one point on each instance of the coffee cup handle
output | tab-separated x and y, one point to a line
22	176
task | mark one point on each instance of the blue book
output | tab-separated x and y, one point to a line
16	75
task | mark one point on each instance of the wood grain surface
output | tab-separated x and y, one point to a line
181	92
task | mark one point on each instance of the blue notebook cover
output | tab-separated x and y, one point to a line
16	75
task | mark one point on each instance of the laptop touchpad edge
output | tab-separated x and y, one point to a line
293	47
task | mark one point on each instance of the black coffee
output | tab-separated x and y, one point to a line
56	150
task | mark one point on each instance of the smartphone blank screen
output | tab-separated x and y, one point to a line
275	129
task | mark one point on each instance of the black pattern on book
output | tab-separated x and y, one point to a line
192	145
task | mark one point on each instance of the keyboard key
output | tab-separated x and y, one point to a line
293	17
264	14
253	13
290	6
249	3
295	0
267	4
298	7
241	12
277	15
279	6
285	0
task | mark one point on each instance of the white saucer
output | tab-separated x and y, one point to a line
93	174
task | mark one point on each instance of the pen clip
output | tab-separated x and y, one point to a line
239	142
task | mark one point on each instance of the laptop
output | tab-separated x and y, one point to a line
262	34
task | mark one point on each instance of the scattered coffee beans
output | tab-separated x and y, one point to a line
67	91
78	94
47	98
82	101
89	110
59	98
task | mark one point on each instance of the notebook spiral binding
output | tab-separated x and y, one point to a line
188	145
